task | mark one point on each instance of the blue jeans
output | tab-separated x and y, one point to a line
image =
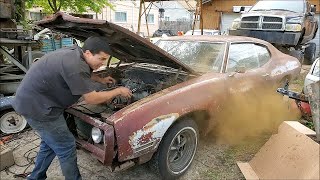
56	139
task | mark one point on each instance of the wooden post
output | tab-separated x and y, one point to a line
145	12
195	17
201	19
139	20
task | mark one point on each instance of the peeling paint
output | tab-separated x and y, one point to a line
151	132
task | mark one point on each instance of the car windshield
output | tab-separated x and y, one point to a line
294	6
200	56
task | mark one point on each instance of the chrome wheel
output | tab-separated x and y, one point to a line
11	122
181	150
176	150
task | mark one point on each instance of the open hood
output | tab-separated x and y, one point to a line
125	45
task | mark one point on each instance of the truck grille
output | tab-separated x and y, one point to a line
272	19
251	18
271	26
249	25
261	23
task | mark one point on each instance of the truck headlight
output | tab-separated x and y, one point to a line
97	135
293	27
235	25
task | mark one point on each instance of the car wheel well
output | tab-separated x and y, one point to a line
200	117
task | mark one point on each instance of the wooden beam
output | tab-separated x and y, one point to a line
139	19
145	16
201	17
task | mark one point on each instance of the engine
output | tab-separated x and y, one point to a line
141	80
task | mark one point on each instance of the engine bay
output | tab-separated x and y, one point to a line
142	79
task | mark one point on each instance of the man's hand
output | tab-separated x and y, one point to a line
108	80
125	92
106	96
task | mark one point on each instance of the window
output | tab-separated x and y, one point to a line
167	18
201	56
150	18
247	55
316	70
36	16
263	54
120	16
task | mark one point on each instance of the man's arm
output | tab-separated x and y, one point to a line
106	96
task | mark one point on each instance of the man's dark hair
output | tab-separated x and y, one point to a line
96	44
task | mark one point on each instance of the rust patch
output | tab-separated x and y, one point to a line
151	132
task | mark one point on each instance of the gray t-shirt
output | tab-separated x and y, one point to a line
53	83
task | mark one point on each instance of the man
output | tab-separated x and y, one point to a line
52	84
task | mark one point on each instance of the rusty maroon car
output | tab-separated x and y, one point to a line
174	83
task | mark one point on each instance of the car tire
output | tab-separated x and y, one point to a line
11	122
297	54
310	53
176	150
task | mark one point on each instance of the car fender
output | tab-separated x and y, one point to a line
140	127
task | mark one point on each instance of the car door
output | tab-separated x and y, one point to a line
245	66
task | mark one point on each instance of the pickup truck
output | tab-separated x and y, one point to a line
286	24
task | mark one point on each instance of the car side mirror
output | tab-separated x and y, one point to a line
240	69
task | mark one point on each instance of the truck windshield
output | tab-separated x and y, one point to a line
285	5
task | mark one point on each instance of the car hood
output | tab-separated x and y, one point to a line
274	13
125	45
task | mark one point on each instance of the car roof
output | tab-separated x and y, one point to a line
218	38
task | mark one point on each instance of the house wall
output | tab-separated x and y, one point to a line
174	11
132	10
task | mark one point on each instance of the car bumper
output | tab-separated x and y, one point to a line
104	152
276	37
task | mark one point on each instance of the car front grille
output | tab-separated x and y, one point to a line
251	18
272	19
272	26
262	23
249	25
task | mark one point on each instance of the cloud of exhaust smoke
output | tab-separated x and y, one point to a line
251	111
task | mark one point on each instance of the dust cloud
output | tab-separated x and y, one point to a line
251	111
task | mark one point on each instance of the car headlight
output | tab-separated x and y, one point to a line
235	25
97	135
293	27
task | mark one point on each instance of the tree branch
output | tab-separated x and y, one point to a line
55	5
51	5
61	2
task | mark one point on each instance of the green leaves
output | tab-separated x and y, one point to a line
75	6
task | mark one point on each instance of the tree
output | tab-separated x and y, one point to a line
76	6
